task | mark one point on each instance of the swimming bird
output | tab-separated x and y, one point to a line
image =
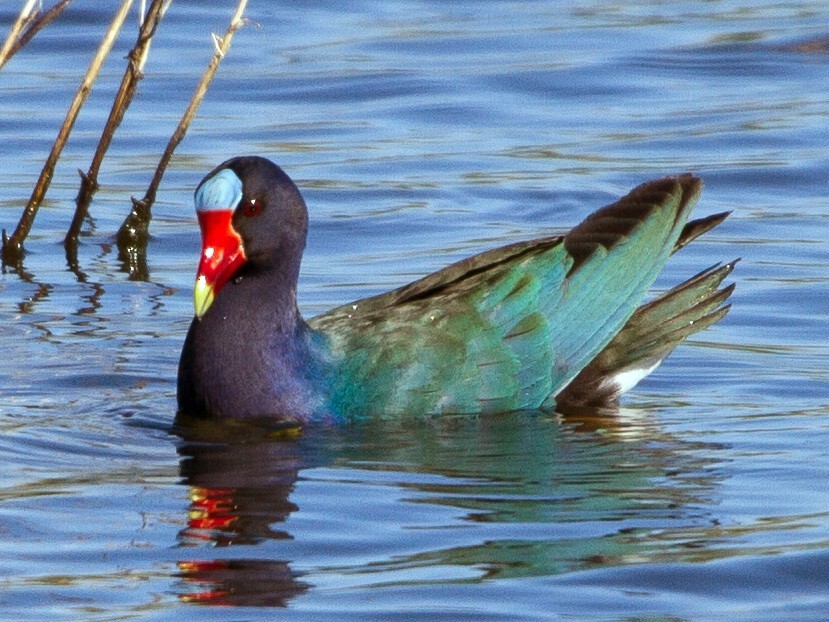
531	325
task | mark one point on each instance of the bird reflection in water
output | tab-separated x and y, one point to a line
238	492
628	489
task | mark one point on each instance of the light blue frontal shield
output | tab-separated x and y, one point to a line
220	192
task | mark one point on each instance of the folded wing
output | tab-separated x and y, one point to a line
510	328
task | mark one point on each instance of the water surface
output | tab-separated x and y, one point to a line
421	132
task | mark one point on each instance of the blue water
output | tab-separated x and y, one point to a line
421	132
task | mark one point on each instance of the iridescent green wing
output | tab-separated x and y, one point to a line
509	328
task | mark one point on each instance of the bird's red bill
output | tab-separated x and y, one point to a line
221	255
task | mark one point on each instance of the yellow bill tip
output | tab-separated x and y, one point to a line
202	296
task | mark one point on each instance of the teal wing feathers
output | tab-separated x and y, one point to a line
469	338
618	251
509	328
651	334
654	330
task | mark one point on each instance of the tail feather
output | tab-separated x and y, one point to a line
695	228
651	334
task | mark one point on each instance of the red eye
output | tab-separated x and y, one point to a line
252	208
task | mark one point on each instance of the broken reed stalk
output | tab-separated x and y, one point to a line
134	232
27	14
136	59
13	246
35	23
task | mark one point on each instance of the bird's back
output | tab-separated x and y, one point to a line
509	328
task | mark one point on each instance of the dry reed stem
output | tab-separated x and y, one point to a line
133	234
136	59
33	22
13	246
27	14
222	46
37	24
